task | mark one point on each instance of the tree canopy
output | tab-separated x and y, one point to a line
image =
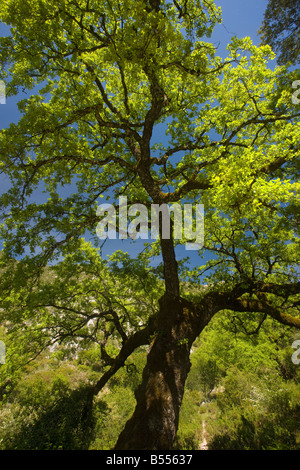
281	29
130	98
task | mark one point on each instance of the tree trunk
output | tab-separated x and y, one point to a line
154	423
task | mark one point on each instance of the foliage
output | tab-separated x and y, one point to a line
78	303
281	29
130	98
255	402
48	409
257	413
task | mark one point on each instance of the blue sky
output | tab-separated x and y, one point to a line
240	18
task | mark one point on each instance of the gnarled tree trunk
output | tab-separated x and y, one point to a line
155	420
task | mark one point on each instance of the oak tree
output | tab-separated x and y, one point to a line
130	98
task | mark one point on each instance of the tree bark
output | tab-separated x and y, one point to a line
154	423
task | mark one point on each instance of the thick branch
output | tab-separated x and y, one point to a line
282	290
138	339
263	306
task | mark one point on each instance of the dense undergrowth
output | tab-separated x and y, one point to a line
243	392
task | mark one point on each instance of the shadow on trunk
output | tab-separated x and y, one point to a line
154	423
